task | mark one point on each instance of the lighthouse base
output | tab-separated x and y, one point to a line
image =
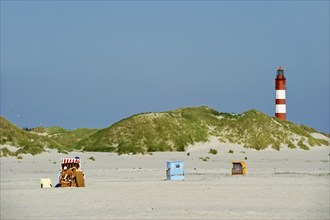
281	116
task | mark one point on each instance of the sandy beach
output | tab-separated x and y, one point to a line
286	184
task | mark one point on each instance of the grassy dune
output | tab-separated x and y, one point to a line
36	140
165	131
175	130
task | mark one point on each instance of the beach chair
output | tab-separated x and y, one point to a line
239	168
175	170
71	175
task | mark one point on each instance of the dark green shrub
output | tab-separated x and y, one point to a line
291	145
276	146
302	145
213	151
204	158
91	158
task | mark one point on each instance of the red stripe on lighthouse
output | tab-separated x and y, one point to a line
279	101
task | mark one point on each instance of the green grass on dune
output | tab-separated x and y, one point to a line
165	131
172	131
175	130
36	140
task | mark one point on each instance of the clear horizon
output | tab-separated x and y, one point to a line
86	64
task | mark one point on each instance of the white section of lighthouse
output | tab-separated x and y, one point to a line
280	100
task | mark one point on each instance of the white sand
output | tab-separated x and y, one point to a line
289	184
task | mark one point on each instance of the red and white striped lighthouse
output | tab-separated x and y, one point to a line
280	103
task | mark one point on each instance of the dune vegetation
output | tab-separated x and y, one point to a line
164	131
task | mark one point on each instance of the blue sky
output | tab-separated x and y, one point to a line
92	63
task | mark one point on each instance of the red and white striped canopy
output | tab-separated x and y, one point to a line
70	160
